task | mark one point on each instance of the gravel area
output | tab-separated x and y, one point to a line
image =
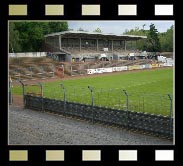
29	127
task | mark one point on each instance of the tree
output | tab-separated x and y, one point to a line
166	40
27	36
126	31
143	26
14	43
30	35
57	26
153	39
141	44
98	30
163	40
81	29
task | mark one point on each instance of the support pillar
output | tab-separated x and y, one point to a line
80	44
112	46
135	44
125	44
60	42
97	44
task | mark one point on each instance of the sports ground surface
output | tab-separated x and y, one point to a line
147	90
29	127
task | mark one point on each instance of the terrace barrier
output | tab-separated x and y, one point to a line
88	103
157	125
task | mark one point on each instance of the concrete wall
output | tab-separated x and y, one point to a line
28	54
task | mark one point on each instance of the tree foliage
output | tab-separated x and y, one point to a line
81	29
28	36
141	44
153	44
166	40
14	43
98	30
155	41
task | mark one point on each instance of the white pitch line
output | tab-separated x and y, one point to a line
150	82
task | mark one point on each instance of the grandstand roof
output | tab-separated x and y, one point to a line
96	35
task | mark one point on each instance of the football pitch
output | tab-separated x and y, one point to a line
149	91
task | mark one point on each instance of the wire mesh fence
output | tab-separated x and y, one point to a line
151	113
125	98
114	98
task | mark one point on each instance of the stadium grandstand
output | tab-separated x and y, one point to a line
75	46
72	53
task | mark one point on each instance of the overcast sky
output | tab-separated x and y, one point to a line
118	27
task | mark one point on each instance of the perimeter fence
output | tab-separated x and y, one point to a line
133	110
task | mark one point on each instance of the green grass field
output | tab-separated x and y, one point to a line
147	90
